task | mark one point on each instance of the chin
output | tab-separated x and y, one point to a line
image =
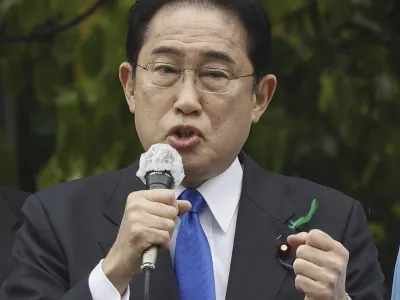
190	163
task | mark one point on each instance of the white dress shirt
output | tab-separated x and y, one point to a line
218	219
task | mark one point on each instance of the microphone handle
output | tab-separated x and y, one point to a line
149	258
155	180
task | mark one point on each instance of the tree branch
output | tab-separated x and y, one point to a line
35	36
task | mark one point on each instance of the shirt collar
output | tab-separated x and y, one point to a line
221	193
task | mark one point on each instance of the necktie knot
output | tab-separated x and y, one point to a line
195	198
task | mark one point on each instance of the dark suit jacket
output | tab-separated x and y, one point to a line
10	219
70	227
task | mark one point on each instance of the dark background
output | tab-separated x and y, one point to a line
335	118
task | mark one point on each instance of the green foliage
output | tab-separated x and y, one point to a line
334	118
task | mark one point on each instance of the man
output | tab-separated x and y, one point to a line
196	78
11	201
396	280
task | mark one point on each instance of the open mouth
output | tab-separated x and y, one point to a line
184	136
184	133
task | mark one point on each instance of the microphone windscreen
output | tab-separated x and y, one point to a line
161	157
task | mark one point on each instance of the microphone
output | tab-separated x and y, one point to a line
159	168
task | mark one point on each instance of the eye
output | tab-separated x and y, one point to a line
166	69
214	74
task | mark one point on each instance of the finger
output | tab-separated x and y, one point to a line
161	210
295	240
156	237
313	255
308	286
183	206
309	270
319	239
157	222
141	204
142	237
158	195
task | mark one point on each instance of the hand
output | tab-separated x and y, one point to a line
320	265
149	219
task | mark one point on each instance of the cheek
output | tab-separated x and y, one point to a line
233	115
152	104
230	127
149	113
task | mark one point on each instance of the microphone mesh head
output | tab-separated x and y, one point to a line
161	157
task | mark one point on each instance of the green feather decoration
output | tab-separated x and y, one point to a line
305	219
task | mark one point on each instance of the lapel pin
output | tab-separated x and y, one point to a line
283	249
300	222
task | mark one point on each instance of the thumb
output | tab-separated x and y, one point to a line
298	239
183	206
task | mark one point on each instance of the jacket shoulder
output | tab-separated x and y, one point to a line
302	189
80	193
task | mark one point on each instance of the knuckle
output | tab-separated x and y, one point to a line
171	212
137	231
135	205
343	265
170	195
162	195
331	281
131	196
298	281
297	265
326	292
173	217
337	266
345	253
314	234
134	196
301	250
164	237
174	212
169	225
133	218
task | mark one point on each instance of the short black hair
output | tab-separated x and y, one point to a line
250	12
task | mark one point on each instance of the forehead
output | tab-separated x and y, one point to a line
194	29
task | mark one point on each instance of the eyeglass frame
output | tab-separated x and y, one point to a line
182	73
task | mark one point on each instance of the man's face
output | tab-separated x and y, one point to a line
207	129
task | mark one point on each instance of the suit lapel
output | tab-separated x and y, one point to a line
255	272
264	209
162	281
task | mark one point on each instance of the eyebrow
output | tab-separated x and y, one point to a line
218	55
166	50
207	54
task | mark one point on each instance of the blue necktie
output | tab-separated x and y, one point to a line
193	261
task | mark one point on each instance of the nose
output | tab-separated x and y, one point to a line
188	100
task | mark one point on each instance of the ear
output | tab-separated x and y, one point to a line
263	96
128	84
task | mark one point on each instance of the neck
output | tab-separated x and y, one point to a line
195	178
190	184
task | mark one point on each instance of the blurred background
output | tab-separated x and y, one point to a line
335	118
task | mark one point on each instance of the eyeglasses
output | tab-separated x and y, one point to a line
208	80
